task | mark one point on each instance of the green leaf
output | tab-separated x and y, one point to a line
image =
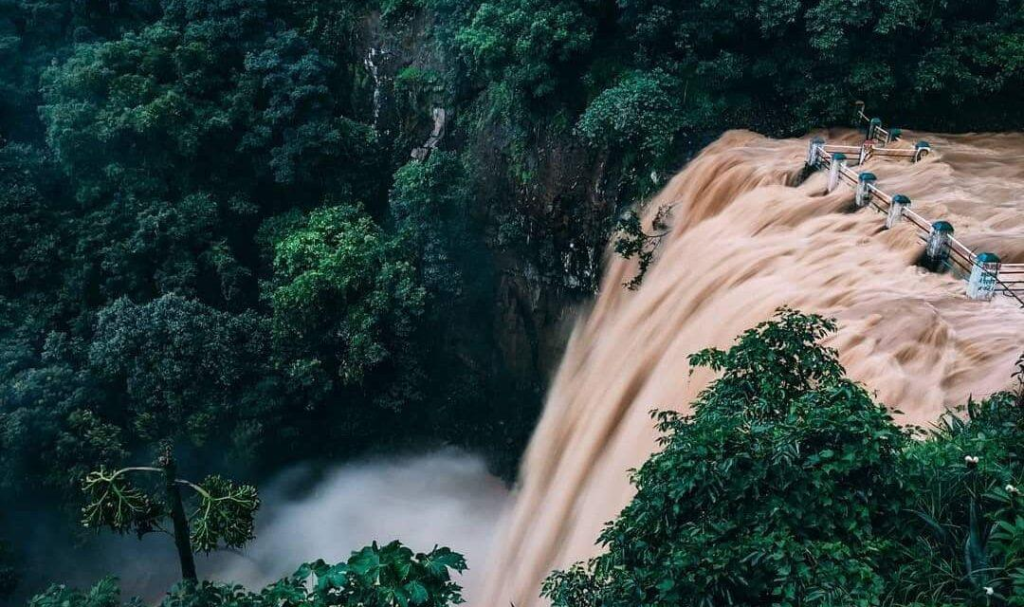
417	592
365	562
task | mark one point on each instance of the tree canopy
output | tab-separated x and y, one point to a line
788	485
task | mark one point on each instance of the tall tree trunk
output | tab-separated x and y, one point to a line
182	533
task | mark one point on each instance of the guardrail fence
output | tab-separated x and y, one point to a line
986	275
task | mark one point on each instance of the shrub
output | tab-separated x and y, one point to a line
376	576
965	530
789	486
779	489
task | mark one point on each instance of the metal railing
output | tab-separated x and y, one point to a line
875	130
1005	278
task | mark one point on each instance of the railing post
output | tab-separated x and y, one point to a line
874	125
982	283
858	112
921	149
899	202
940	240
894	135
865	149
864	183
838	161
814	150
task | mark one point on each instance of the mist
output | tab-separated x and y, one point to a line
446	498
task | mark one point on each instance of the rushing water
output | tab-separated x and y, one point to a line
744	239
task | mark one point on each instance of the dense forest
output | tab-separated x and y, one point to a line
267	231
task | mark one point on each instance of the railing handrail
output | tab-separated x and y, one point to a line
960	254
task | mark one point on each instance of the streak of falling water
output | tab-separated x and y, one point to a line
745	240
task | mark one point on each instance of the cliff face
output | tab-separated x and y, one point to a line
544	235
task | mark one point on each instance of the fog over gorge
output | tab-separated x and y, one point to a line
444	497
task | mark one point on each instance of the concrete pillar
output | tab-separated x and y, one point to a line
814	151
864	183
899	202
838	161
921	149
865	149
982	283
873	127
940	240
858	111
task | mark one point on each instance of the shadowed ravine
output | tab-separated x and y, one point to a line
743	241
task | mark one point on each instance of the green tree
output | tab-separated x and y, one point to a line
223	514
53	428
31	230
34	32
186	370
781	488
527	44
177	137
639	118
344	297
429	203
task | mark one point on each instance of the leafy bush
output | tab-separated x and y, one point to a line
526	43
104	594
777	490
640	118
788	486
965	543
344	297
376	576
632	241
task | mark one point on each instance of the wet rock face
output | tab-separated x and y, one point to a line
548	239
545	235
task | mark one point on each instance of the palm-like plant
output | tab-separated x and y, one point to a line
223	512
